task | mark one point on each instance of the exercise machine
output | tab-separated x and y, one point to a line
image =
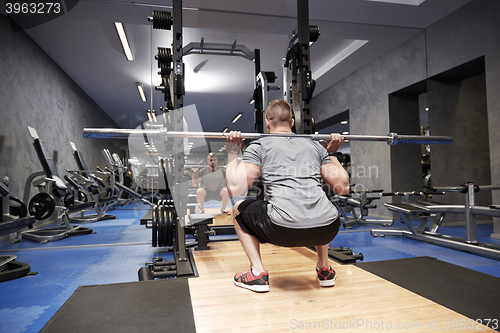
362	201
116	168
47	205
435	213
13	220
90	185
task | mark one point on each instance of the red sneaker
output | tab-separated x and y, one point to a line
259	283
326	276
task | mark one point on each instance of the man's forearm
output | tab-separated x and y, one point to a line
231	169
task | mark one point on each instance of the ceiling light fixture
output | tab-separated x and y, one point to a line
344	122
225	129
238	116
140	87
402	2
123	39
345	133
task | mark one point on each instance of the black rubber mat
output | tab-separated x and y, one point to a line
147	306
473	294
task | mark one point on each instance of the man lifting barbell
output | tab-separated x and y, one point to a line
296	211
211	182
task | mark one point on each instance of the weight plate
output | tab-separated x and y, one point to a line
69	199
42	205
164	225
314	33
162	20
168	230
159	230
18	210
155	227
175	220
158	224
82	196
170	225
161	212
165	220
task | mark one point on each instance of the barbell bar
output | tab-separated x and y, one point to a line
163	133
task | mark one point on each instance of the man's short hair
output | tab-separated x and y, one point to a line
211	155
279	112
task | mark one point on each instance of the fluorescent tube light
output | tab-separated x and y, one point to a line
402	2
123	39
140	87
238	116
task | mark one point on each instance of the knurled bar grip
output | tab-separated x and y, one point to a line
391	138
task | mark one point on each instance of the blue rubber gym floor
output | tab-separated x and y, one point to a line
118	248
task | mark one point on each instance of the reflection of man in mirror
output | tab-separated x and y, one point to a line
211	181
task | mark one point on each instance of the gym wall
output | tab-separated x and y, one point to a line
36	92
365	94
468	34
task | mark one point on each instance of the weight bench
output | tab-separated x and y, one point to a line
53	190
201	222
420	232
362	201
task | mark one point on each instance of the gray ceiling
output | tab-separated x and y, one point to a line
85	44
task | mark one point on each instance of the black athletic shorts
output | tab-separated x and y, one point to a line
213	195
253	219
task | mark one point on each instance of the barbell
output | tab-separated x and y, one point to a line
162	133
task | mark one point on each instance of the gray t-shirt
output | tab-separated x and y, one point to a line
291	173
213	180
